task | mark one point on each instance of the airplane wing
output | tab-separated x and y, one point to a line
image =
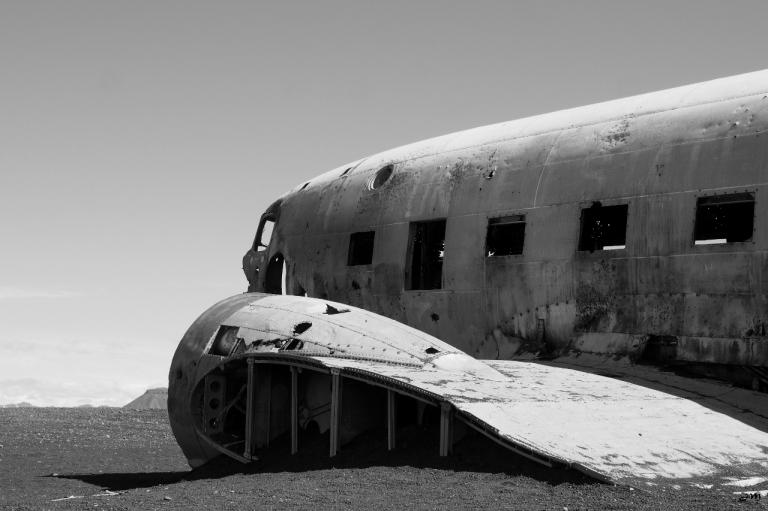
611	430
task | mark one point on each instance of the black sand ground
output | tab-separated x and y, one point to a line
128	459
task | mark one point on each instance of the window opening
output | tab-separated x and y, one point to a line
426	255
381	176
724	219
225	342
603	227
360	248
292	344
264	234
505	236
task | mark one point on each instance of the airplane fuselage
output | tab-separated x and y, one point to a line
636	227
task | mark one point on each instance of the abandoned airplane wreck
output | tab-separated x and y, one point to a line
407	283
256	367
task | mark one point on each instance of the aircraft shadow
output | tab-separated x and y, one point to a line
474	453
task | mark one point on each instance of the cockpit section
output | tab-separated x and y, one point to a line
264	233
259	259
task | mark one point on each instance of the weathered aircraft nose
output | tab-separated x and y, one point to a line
185	372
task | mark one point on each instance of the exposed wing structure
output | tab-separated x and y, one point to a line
255	366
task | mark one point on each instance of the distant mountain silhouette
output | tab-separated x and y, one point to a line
152	399
23	404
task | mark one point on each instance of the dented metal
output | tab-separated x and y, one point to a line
612	430
620	229
656	154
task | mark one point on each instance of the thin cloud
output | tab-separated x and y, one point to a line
19	293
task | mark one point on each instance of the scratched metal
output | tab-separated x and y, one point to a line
655	152
612	429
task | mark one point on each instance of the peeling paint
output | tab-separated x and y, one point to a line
592	308
658	154
558	416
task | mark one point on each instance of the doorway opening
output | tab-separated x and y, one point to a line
274	280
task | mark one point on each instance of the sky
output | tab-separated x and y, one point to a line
140	140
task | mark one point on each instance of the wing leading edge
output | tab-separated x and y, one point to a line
255	366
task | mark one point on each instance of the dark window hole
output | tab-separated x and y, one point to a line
431	351
360	248
505	236
603	227
426	253
724	219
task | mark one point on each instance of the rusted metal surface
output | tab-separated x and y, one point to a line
404	234
656	153
610	429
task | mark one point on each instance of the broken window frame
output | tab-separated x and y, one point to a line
515	225
225	341
604	236
361	249
258	242
426	241
710	207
